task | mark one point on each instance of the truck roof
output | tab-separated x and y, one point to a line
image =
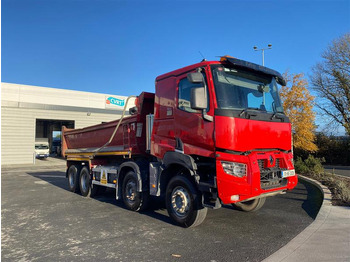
186	69
238	63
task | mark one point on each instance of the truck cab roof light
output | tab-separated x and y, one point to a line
225	57
254	67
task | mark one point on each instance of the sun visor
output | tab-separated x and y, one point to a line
254	67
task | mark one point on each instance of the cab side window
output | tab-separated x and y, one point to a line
184	102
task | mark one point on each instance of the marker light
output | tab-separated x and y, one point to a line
234	169
224	58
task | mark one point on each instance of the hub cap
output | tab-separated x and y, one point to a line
180	201
130	191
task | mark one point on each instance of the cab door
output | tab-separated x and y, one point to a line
193	134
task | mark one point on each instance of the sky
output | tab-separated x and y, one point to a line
120	47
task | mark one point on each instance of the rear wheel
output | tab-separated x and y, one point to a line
133	200
251	205
85	182
73	178
183	202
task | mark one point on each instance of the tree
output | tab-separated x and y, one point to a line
298	105
331	81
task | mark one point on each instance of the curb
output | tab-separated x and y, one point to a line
302	237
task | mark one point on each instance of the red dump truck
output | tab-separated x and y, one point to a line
213	133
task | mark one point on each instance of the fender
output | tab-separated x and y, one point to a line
157	170
184	160
138	172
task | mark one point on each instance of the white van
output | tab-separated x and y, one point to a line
42	148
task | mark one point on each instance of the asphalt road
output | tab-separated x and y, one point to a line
338	170
43	221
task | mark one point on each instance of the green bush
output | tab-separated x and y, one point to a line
311	165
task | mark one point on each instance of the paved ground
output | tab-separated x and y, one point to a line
326	239
338	170
43	221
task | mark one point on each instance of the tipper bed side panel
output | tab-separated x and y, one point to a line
131	133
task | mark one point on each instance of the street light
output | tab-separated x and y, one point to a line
269	46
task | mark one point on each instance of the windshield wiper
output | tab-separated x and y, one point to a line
246	110
278	115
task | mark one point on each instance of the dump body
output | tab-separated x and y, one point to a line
130	136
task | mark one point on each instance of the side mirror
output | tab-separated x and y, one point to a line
198	98
195	77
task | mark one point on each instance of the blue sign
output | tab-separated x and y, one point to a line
115	101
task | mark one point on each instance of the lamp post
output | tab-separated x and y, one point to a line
269	46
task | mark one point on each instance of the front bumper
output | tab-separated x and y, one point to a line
264	176
42	155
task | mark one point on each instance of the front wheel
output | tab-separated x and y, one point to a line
183	202
251	205
133	200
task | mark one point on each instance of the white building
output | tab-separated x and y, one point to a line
30	112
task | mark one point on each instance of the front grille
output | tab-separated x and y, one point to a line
271	177
278	161
261	163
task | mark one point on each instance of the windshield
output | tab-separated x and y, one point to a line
239	89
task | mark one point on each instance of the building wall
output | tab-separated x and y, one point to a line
19	113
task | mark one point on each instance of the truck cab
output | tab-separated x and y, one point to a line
227	116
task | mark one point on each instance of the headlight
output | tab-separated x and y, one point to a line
234	169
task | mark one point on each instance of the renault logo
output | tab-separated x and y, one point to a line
271	160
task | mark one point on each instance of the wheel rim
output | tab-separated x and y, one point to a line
130	191
71	179
180	201
83	182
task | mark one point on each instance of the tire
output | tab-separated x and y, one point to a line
85	182
73	178
251	205
183	202
133	200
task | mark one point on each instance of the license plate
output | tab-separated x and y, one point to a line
104	176
288	173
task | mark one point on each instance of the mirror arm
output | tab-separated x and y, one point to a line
207	117
204	112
